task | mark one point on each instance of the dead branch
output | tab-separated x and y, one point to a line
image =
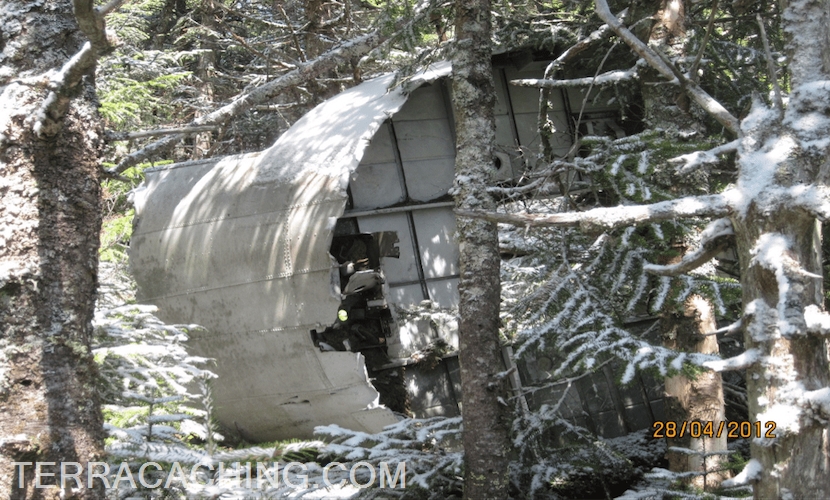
603	79
699	57
126	136
303	72
704	100
48	119
777	102
596	36
110	7
606	218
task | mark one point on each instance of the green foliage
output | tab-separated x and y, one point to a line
117	226
127	103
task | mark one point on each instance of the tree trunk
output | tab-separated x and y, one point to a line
485	397
695	399
780	250
699	398
49	225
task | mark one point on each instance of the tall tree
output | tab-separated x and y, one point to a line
50	136
484	399
773	211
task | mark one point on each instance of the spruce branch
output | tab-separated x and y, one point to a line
690	162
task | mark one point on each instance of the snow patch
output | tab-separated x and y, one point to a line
817	321
770	252
751	473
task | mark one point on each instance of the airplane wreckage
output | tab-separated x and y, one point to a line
329	259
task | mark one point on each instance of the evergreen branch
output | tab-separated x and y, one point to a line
304	72
605	218
703	99
699	57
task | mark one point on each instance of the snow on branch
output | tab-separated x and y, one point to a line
819	402
605	218
693	161
714	239
48	118
751	473
603	79
739	362
704	100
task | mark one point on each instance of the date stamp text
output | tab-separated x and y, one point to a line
710	428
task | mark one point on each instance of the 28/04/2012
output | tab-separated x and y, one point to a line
710	428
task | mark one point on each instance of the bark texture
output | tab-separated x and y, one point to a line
695	399
781	266
485	408
698	398
49	225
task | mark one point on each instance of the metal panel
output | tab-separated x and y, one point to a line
425	103
436	237
523	99
406	295
444	292
376	185
429	179
381	147
424	139
526	125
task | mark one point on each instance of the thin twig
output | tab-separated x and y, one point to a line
704	43
778	102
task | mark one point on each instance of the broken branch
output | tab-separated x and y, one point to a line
603	79
126	136
704	100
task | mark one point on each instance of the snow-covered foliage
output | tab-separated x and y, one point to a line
431	449
573	295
